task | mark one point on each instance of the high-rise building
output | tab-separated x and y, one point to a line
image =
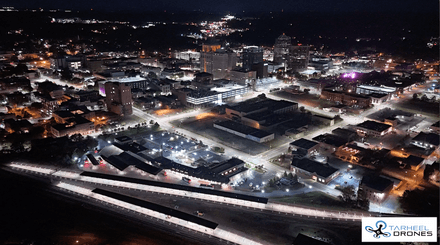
293	57
251	55
281	49
298	58
118	98
218	63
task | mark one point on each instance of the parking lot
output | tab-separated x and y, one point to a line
166	140
345	179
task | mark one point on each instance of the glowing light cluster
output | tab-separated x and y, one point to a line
349	75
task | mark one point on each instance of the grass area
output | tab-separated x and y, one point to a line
419	107
296	186
315	199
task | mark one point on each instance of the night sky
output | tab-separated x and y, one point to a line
234	6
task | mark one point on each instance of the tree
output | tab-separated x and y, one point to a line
262	96
362	200
348	194
421	202
66	74
37	106
152	75
415	96
76	137
151	122
155	126
272	183
285	174
302	109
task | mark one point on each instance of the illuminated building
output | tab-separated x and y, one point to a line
310	169
118	98
204	98
372	128
70	62
188	55
375	188
281	49
218	63
293	57
251	55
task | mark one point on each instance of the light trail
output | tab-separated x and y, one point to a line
270	206
218	232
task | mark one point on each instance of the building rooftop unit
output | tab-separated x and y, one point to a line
372	125
323	170
304	143
377	183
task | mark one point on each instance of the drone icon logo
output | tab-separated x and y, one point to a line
378	231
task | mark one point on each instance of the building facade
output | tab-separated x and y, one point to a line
118	98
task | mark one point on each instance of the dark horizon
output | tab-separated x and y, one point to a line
235	7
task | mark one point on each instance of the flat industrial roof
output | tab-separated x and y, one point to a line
304	143
158	208
376	182
372	125
177	187
244	129
115	162
413	160
431	138
311	166
133	147
331	139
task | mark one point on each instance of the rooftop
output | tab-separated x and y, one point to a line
376	182
244	129
323	170
372	125
331	139
304	143
413	160
431	138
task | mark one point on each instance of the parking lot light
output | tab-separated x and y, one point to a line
287	190
262	191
